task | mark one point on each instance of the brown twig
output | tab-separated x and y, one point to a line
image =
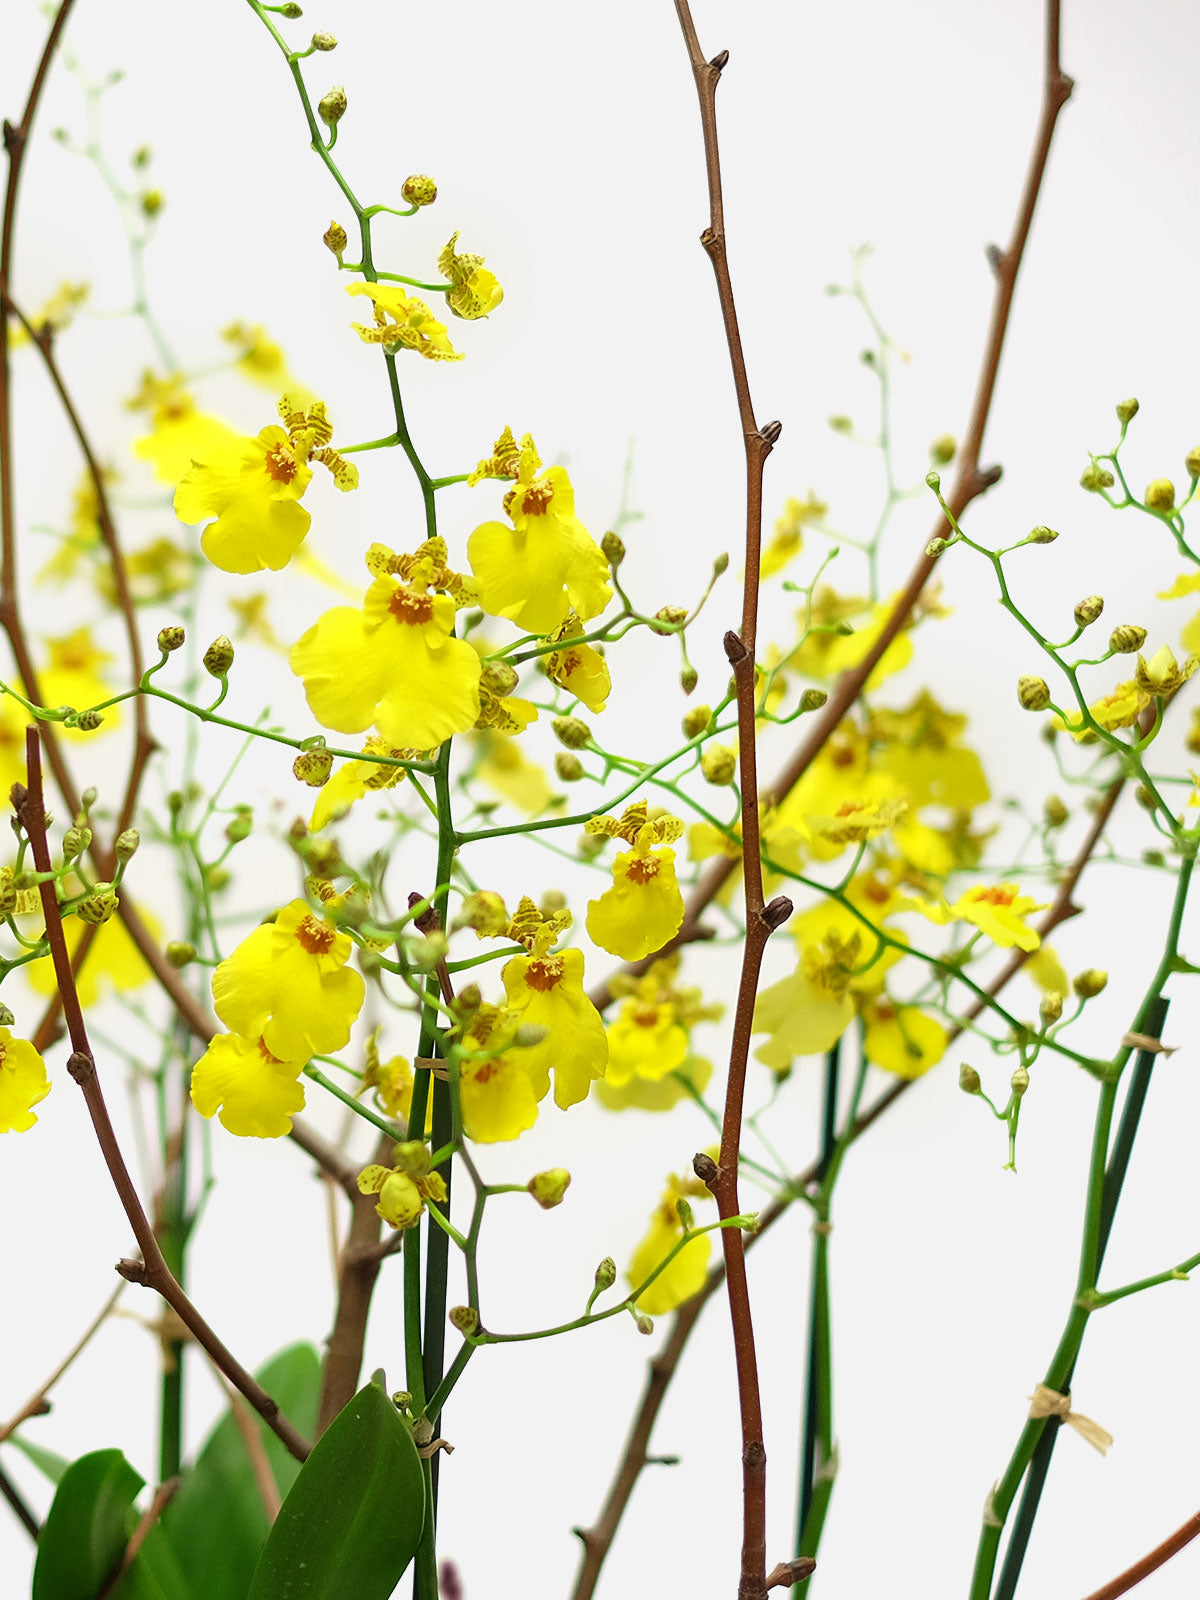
357	1272
163	1495
16	1500
38	1404
971	480
761	920
1150	1562
152	1271
597	1540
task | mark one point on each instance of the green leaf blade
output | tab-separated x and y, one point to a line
351	1524
87	1527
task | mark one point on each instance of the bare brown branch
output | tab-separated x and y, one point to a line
152	1270
1150	1562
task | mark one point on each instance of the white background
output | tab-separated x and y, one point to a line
567	147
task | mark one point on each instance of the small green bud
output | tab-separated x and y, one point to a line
589	845
670	617
470	998
6	1017
1088	610
1126	411
99	906
152	202
683	1211
1019	1082
841	424
933	480
695	720
935	547
313	766
175	802
141	158
498	678
1160	495
567	766
1126	639
1154	858
606	1273
718	764
180	954
968	1079
614	548
75	841
548	1188
643	1323
1089	983
813	699
1192	462
126	844
217	878
419	190
1051	1008
240	826
335	239
1041	535
943	450
529	1034
464	1318
89	721
323	41
572	731
1145	798
331	107
291	11
1054	811
218	658
1095	478
89	797
484	911
552	900
170	639
1033	693
721	564
688	678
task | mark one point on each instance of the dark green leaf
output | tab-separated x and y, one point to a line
88	1527
352	1522
217	1524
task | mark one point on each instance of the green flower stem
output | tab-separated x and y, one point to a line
415	283
623	1307
388	440
206	715
1099	1210
1097	1299
348	1100
1152	1018
492	955
453	1373
447	1228
817	1410
444	483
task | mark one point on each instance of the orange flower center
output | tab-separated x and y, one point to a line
266	1054
543	972
485	1071
849	807
532	501
1001	895
644	869
407	605
646	1016
317	937
280	464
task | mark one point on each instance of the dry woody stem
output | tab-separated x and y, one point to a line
152	1270
971	481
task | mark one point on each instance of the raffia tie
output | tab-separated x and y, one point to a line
1047	1402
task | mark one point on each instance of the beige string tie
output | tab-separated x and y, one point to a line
1145	1041
1046	1402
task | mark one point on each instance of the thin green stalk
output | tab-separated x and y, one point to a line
1098	1213
1153	1019
818	1328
